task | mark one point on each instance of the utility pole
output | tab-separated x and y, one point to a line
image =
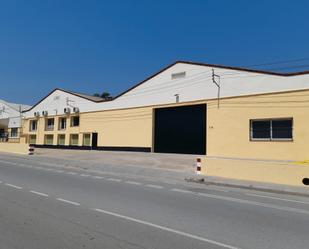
216	81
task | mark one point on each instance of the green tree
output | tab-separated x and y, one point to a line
105	95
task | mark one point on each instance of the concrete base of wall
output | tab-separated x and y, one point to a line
19	148
287	173
104	148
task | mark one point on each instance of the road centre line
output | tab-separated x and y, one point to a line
38	193
98	177
71	173
182	190
114	179
277	198
13	186
188	235
85	175
133	183
67	201
154	186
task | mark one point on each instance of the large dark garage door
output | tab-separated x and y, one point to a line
180	130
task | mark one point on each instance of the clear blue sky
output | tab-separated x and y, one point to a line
95	46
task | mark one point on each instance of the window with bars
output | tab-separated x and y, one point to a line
33	125
75	121
271	129
86	139
62	123
49	139
61	139
32	139
14	132
50	124
74	139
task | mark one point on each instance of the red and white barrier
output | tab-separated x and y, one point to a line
31	150
198	166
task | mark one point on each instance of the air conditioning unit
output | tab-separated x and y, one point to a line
67	110
44	113
75	109
37	114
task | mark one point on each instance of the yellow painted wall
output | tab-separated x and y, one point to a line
259	171
20	148
131	127
228	128
228	131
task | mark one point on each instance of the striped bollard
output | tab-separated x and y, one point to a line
198	166
31	150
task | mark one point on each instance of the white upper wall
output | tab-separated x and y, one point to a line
55	103
11	112
197	85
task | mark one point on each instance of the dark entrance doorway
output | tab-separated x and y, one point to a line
94	143
180	130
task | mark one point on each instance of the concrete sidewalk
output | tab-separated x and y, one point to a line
252	185
174	162
170	168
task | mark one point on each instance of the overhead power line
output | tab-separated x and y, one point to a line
278	62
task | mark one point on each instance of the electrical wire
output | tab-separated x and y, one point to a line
278	62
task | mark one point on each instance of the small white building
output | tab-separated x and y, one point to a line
11	120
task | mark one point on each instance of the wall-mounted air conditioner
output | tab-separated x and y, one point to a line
37	114
44	113
75	109
67	110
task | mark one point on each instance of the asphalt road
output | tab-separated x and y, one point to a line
48	207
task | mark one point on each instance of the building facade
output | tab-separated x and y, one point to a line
11	121
187	107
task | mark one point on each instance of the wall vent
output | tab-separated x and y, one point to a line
178	75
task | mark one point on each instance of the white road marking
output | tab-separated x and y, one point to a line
59	171
154	186
133	183
98	177
38	193
255	203
114	179
48	169
67	201
13	186
192	236
84	175
182	190
218	189
71	173
278	198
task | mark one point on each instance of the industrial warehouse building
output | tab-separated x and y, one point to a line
188	108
